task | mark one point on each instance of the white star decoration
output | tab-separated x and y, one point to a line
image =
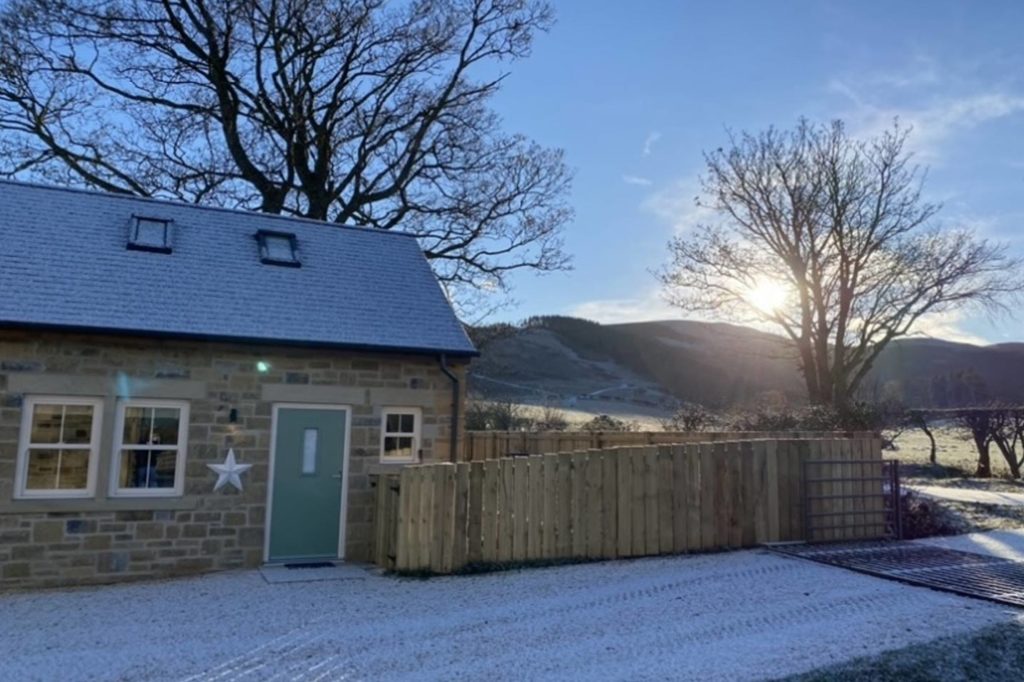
229	472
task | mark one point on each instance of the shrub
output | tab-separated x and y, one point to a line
604	422
690	417
766	420
858	416
496	415
924	518
551	419
506	415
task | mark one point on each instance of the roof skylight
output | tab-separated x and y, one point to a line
278	248
150	234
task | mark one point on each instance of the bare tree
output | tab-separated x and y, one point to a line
982	425
690	417
359	112
1008	435
837	234
920	419
1001	425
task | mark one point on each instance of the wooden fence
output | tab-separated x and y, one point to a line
483	445
618	502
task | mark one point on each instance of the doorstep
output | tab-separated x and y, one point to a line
338	570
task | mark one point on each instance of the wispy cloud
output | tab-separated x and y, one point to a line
648	306
649	142
636	180
874	101
934	124
677	205
948	326
922	71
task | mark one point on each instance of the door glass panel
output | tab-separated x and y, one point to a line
309	443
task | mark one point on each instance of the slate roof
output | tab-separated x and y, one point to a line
64	264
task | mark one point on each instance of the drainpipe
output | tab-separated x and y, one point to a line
453	440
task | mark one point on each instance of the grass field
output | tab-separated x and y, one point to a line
957	461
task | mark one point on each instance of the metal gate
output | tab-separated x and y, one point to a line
851	499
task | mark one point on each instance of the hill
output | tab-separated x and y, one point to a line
654	364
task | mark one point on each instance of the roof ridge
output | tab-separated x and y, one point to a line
184	204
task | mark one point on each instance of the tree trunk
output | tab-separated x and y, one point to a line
984	461
1010	455
931	440
810	372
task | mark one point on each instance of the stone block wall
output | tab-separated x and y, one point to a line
103	539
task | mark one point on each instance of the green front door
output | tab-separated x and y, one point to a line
308	465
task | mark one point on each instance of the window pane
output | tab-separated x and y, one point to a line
150	232
46	421
78	424
42	469
408	423
165	425
279	248
137	425
74	469
134	469
398	447
392	422
147	468
164	463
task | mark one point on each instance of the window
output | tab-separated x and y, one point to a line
58	446
310	437
149	455
278	248
150	234
400	437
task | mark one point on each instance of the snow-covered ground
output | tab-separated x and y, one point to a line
1005	544
970	495
743	615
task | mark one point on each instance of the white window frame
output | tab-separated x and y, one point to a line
24	443
182	447
417	414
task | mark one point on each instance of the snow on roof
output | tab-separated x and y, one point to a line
64	263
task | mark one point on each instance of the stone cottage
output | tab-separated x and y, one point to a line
187	389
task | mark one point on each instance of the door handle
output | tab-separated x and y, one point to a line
337	475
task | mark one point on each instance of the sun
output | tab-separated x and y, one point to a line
767	295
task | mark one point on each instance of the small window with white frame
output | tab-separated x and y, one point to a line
400	434
58	446
150	445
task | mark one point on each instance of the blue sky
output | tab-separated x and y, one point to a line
634	92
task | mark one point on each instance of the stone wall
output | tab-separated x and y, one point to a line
101	539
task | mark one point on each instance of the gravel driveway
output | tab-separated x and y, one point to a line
742	615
